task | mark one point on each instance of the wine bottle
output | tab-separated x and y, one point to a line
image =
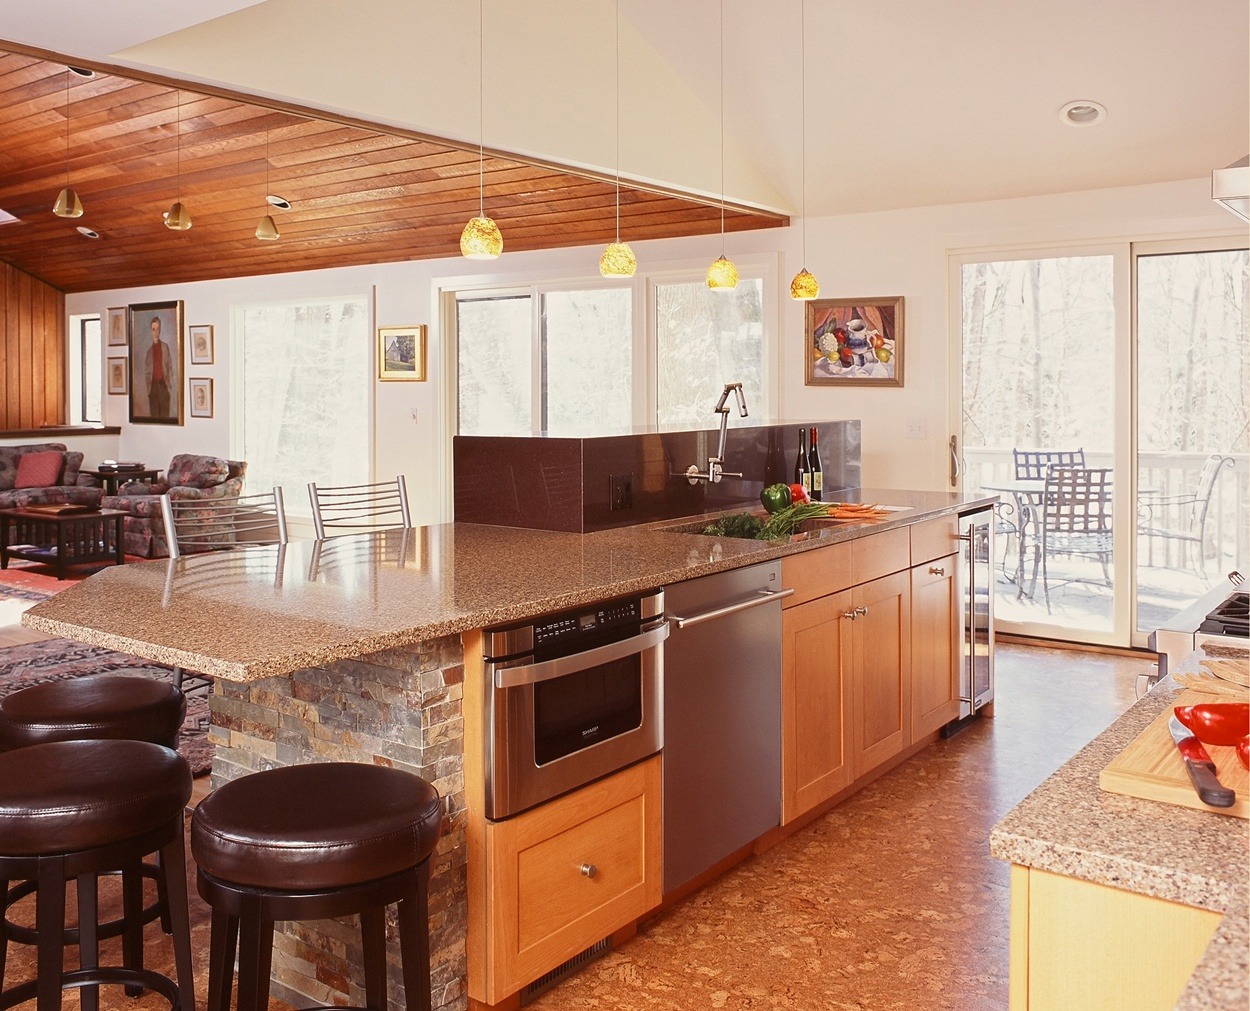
802	465
818	474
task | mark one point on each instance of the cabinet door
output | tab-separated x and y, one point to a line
815	730
881	675
935	630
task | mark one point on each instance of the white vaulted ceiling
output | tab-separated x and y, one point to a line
909	102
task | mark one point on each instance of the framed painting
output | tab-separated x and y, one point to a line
201	338
117	376
401	353
854	342
201	391
115	326
156	363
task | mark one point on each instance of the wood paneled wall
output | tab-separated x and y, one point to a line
32	351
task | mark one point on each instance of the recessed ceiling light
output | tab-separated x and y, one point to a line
87	233
282	203
1082	113
82	72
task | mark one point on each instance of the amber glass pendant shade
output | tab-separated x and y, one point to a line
67	204
722	275
618	260
481	240
178	219
804	287
267	231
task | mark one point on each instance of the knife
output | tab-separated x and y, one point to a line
1200	767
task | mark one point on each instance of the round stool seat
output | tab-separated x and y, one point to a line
92	708
77	795
306	828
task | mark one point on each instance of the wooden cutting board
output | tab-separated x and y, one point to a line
1153	769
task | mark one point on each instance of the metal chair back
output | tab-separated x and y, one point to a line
1031	464
352	508
1077	500
196	525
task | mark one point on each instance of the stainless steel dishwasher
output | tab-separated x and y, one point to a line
722	716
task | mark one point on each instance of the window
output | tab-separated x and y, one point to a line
305	369
573	360
86	371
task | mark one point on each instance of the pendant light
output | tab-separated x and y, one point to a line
804	287
618	259
267	231
481	238
67	203
722	275
177	217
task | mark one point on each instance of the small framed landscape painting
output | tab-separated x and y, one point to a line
156	363
201	397
854	342
117	376
401	352
115	326
201	338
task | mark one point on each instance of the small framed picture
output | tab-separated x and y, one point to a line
854	342
115	327
201	391
117	376
201	344
401	353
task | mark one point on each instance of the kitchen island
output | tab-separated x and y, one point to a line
1110	890
357	649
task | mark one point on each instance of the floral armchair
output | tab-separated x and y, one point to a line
187	477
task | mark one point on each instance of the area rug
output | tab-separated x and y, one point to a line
61	659
18	584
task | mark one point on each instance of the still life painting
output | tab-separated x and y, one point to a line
855	342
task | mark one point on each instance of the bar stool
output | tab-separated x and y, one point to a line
307	842
104	707
75	810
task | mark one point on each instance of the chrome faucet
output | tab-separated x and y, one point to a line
716	464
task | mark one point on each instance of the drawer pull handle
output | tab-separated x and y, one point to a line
937	570
861	611
849	614
589	870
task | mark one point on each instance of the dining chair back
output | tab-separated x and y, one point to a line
195	525
352	508
1031	464
1183	517
1075	520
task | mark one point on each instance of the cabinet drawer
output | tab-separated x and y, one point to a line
817	573
546	905
880	554
934	539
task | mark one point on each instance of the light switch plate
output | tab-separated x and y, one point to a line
916	428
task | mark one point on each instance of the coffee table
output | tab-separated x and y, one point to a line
111	477
61	539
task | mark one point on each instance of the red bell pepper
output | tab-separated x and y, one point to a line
1223	723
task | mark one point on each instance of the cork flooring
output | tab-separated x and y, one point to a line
890	901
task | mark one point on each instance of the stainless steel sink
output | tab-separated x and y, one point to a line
810	528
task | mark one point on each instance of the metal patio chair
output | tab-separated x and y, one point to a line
1074	518
1183	517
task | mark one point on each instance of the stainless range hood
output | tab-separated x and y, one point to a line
1231	187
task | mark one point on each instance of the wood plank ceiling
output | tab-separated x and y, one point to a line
359	194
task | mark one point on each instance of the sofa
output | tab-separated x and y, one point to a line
188	477
43	479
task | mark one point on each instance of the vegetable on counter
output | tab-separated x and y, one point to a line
1243	752
735	525
786	521
798	494
1223	723
775	497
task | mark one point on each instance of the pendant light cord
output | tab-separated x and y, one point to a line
803	122
481	114
722	127
178	177
67	73
617	25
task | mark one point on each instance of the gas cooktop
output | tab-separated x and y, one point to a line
1231	618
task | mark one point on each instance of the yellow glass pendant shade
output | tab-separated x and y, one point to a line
618	260
67	204
178	219
267	231
804	287
481	240
722	275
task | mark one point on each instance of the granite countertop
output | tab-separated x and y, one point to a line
264	611
1069	826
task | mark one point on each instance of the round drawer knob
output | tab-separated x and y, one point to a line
937	570
589	870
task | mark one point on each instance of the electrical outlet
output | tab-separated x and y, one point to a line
620	492
916	428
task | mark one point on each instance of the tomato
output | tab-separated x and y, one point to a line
798	494
775	497
1243	751
1222	723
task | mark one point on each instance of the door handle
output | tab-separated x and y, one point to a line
955	469
533	673
763	597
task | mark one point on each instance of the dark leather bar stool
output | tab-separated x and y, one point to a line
307	842
78	809
105	707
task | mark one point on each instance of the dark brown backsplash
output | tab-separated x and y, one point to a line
551	483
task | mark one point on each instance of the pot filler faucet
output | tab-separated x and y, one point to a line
716	464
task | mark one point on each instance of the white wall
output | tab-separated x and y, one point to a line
892	253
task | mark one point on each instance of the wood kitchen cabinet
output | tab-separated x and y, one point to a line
880	670
935	625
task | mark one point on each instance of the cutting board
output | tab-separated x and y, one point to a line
1152	768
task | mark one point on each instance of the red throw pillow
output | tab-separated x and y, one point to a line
39	470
